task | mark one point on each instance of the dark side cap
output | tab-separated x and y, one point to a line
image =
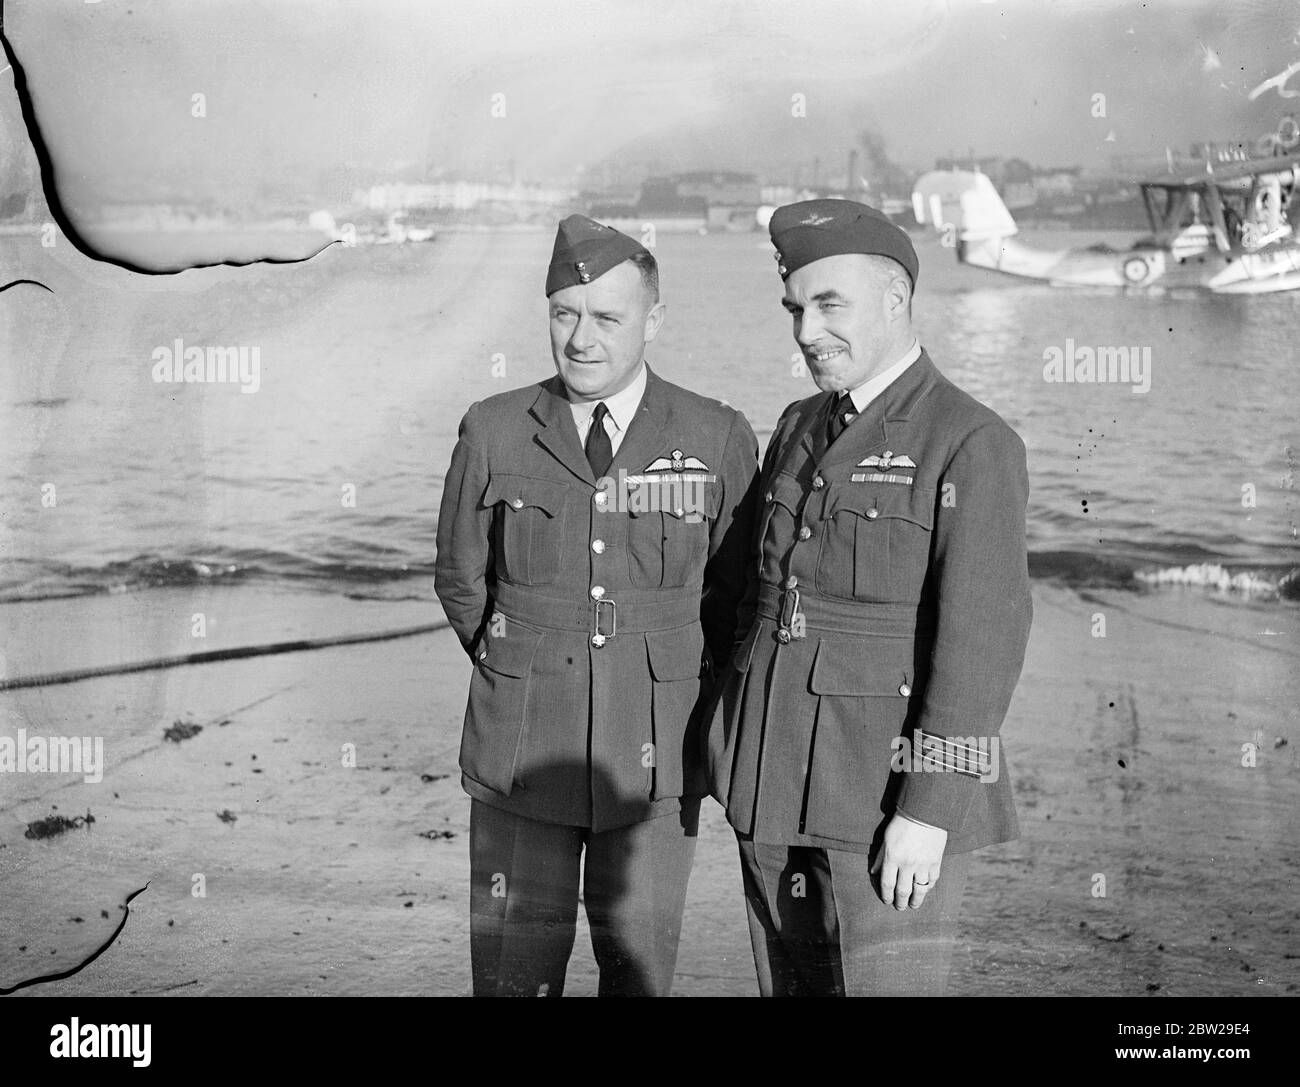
586	250
812	229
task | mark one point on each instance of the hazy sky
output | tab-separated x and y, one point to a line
293	89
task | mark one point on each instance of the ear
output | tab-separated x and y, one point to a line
898	296
654	320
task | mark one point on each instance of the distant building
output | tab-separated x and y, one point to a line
720	187
1056	182
525	199
990	165
660	196
776	195
719	200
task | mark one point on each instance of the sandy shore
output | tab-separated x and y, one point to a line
325	879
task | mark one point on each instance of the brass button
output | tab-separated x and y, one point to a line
598	640
598	546
767	497
792	582
482	655
818	483
904	690
805	533
518	503
601	498
783	636
597	591
873	513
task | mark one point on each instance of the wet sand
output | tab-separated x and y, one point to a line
324	879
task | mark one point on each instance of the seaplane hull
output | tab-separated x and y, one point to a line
1222	255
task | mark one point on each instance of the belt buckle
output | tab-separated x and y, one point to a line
599	635
789	611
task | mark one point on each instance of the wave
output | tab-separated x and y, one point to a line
390	580
49	581
1080	570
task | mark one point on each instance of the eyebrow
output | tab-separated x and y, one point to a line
560	307
828	295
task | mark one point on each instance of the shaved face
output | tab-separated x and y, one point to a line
850	317
599	331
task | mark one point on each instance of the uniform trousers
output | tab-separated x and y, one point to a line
524	877
818	928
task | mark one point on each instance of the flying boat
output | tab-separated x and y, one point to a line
1228	229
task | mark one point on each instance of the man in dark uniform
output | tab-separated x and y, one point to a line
591	548
856	744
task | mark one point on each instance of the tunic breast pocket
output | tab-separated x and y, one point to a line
668	548
527	527
876	542
776	524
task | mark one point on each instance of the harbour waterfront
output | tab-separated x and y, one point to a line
329	474
133	507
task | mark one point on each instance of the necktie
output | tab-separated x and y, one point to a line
842	416
599	450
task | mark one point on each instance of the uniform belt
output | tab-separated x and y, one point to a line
604	618
791	606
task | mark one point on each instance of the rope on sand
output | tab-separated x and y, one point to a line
210	656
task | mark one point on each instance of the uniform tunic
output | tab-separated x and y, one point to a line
592	613
891	596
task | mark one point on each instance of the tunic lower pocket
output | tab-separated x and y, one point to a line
721	724
864	688
498	704
676	661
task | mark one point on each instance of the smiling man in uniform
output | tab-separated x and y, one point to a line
591	546
856	742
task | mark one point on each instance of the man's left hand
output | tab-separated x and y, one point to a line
908	862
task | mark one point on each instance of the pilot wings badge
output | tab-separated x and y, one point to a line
677	467
679	462
888	460
674	484
815	220
883	464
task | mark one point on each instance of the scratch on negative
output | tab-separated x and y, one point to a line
126	912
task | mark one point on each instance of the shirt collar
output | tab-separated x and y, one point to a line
622	406
865	393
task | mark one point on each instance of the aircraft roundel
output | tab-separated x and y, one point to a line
1136	269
